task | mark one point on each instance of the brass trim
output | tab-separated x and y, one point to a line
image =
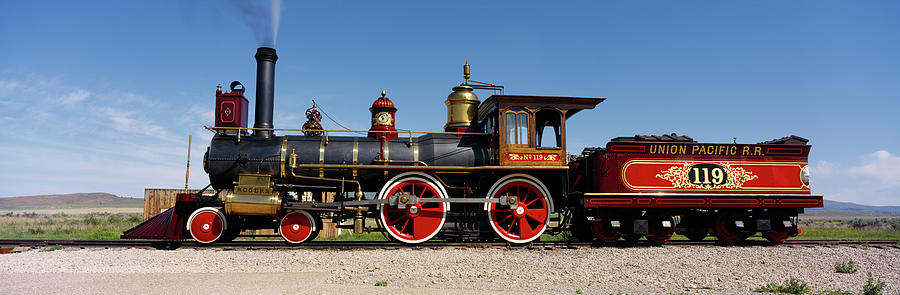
214	129
697	195
355	154
321	157
415	162
283	155
415	151
429	168
386	150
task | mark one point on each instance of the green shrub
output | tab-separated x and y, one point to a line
845	267
91	220
381	283
872	288
135	219
791	286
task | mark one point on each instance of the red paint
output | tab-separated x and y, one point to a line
531	157
383	105
231	108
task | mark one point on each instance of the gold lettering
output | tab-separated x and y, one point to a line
710	150
683	149
732	150
758	151
653	149
746	151
694	149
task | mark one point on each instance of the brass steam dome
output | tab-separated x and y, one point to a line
462	106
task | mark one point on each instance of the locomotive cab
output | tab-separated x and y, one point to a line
530	130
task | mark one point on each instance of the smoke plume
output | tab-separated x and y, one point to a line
263	17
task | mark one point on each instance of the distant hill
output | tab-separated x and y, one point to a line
80	200
848	208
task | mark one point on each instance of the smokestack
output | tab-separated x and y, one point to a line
265	90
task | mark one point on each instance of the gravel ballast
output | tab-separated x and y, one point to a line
638	270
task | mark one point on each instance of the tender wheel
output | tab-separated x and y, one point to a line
776	236
779	232
658	232
417	222
529	220
297	227
725	229
207	225
603	232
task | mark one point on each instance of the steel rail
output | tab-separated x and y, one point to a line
278	244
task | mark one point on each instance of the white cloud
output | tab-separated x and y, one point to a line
823	168
74	97
127	121
880	166
875	180
8	86
60	140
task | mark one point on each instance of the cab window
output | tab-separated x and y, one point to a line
517	128
548	124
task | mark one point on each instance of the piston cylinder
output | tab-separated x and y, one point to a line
256	205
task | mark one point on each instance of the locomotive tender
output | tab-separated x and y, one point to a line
499	169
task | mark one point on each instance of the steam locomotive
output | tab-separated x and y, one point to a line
499	169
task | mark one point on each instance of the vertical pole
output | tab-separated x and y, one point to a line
187	174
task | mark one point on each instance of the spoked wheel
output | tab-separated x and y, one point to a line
207	225
658	232
725	229
297	227
529	220
603	232
418	221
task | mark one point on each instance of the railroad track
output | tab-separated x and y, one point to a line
277	244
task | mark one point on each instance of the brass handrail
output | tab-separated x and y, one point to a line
214	129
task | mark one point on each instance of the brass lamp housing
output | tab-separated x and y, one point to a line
462	108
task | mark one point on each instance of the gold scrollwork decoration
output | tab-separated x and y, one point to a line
679	176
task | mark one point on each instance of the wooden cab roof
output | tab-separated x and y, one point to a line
568	105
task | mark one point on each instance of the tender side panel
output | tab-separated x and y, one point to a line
700	175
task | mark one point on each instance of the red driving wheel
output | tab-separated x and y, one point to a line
418	221
297	227
528	220
206	225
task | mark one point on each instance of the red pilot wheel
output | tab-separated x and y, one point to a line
297	227
417	221
528	220
206	225
726	230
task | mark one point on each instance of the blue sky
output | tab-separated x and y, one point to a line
102	96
